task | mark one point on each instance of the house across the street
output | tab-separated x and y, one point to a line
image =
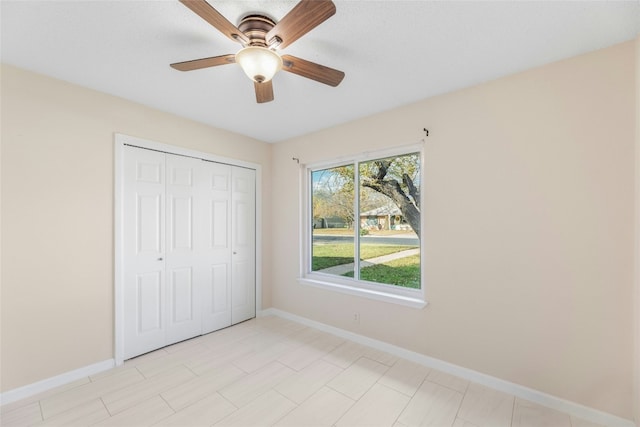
386	217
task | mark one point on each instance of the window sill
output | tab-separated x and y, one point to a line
408	301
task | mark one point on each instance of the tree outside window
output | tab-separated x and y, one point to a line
366	220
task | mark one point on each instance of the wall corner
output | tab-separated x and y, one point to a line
636	285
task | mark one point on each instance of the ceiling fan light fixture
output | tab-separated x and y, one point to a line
260	64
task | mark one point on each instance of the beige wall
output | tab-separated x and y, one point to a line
530	221
57	216
529	212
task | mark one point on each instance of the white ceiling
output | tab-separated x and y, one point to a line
393	53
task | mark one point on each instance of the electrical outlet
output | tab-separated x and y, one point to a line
356	317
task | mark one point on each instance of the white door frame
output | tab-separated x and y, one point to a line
120	141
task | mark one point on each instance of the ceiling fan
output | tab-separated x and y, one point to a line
261	37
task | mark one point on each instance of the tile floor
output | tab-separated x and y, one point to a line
271	371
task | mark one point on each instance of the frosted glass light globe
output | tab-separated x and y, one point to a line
259	63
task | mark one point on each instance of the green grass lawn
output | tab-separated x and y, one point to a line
332	254
401	272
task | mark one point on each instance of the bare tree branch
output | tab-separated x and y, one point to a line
383	167
413	191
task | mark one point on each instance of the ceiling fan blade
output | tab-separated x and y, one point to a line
215	18
304	17
264	91
196	64
311	70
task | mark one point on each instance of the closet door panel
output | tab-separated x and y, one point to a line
185	270
220	297
217	247
143	246
149	294
219	219
182	295
243	220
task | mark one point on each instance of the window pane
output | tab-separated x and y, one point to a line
332	197
389	218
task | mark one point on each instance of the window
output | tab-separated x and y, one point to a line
363	226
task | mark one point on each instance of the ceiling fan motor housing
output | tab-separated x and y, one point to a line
256	27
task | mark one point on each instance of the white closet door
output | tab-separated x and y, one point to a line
216	230
185	272
189	248
243	265
144	231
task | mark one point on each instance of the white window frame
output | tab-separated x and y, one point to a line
378	291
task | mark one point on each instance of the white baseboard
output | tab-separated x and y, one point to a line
553	402
62	379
